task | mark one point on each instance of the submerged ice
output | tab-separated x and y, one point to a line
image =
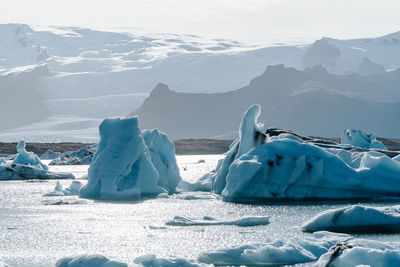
126	166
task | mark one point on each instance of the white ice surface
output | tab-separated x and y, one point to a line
356	218
361	139
206	220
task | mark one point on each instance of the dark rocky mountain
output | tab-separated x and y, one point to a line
310	102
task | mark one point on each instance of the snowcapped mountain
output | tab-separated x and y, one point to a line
94	74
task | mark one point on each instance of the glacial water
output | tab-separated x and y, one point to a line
36	230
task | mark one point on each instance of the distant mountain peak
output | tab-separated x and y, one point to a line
160	89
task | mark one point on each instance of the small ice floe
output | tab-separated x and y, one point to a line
57	202
278	252
59	190
197	196
356	219
27	165
361	139
246	221
152	261
94	260
142	261
360	252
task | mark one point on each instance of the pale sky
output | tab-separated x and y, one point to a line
243	20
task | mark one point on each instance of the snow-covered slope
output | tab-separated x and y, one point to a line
97	74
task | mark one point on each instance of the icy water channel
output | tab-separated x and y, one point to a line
35	233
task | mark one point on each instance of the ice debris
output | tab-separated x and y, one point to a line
206	220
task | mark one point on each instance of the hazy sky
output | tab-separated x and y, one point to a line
243	20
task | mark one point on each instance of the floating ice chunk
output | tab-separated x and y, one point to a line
122	166
3	161
142	261
50	154
162	152
197	196
250	135
290	168
361	139
64	202
246	221
28	158
357	218
360	252
82	156
154	261
72	190
89	261
11	171
278	252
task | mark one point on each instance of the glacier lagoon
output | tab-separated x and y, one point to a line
37	230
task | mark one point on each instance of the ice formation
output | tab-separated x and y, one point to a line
361	252
11	171
28	158
206	220
72	190
250	135
50	154
278	252
149	260
357	218
122	166
27	165
80	157
89	261
162	152
283	165
358	138
287	167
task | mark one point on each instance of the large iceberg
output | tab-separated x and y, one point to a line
356	219
28	158
358	138
284	165
122	166
250	135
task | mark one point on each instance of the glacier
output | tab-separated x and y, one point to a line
361	139
122	167
356	219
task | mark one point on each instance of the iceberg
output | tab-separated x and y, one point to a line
250	135
83	156
277	252
72	190
206	220
149	260
287	167
283	165
122	167
28	158
89	261
361	139
356	219
360	252
162	153
50	154
27	165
